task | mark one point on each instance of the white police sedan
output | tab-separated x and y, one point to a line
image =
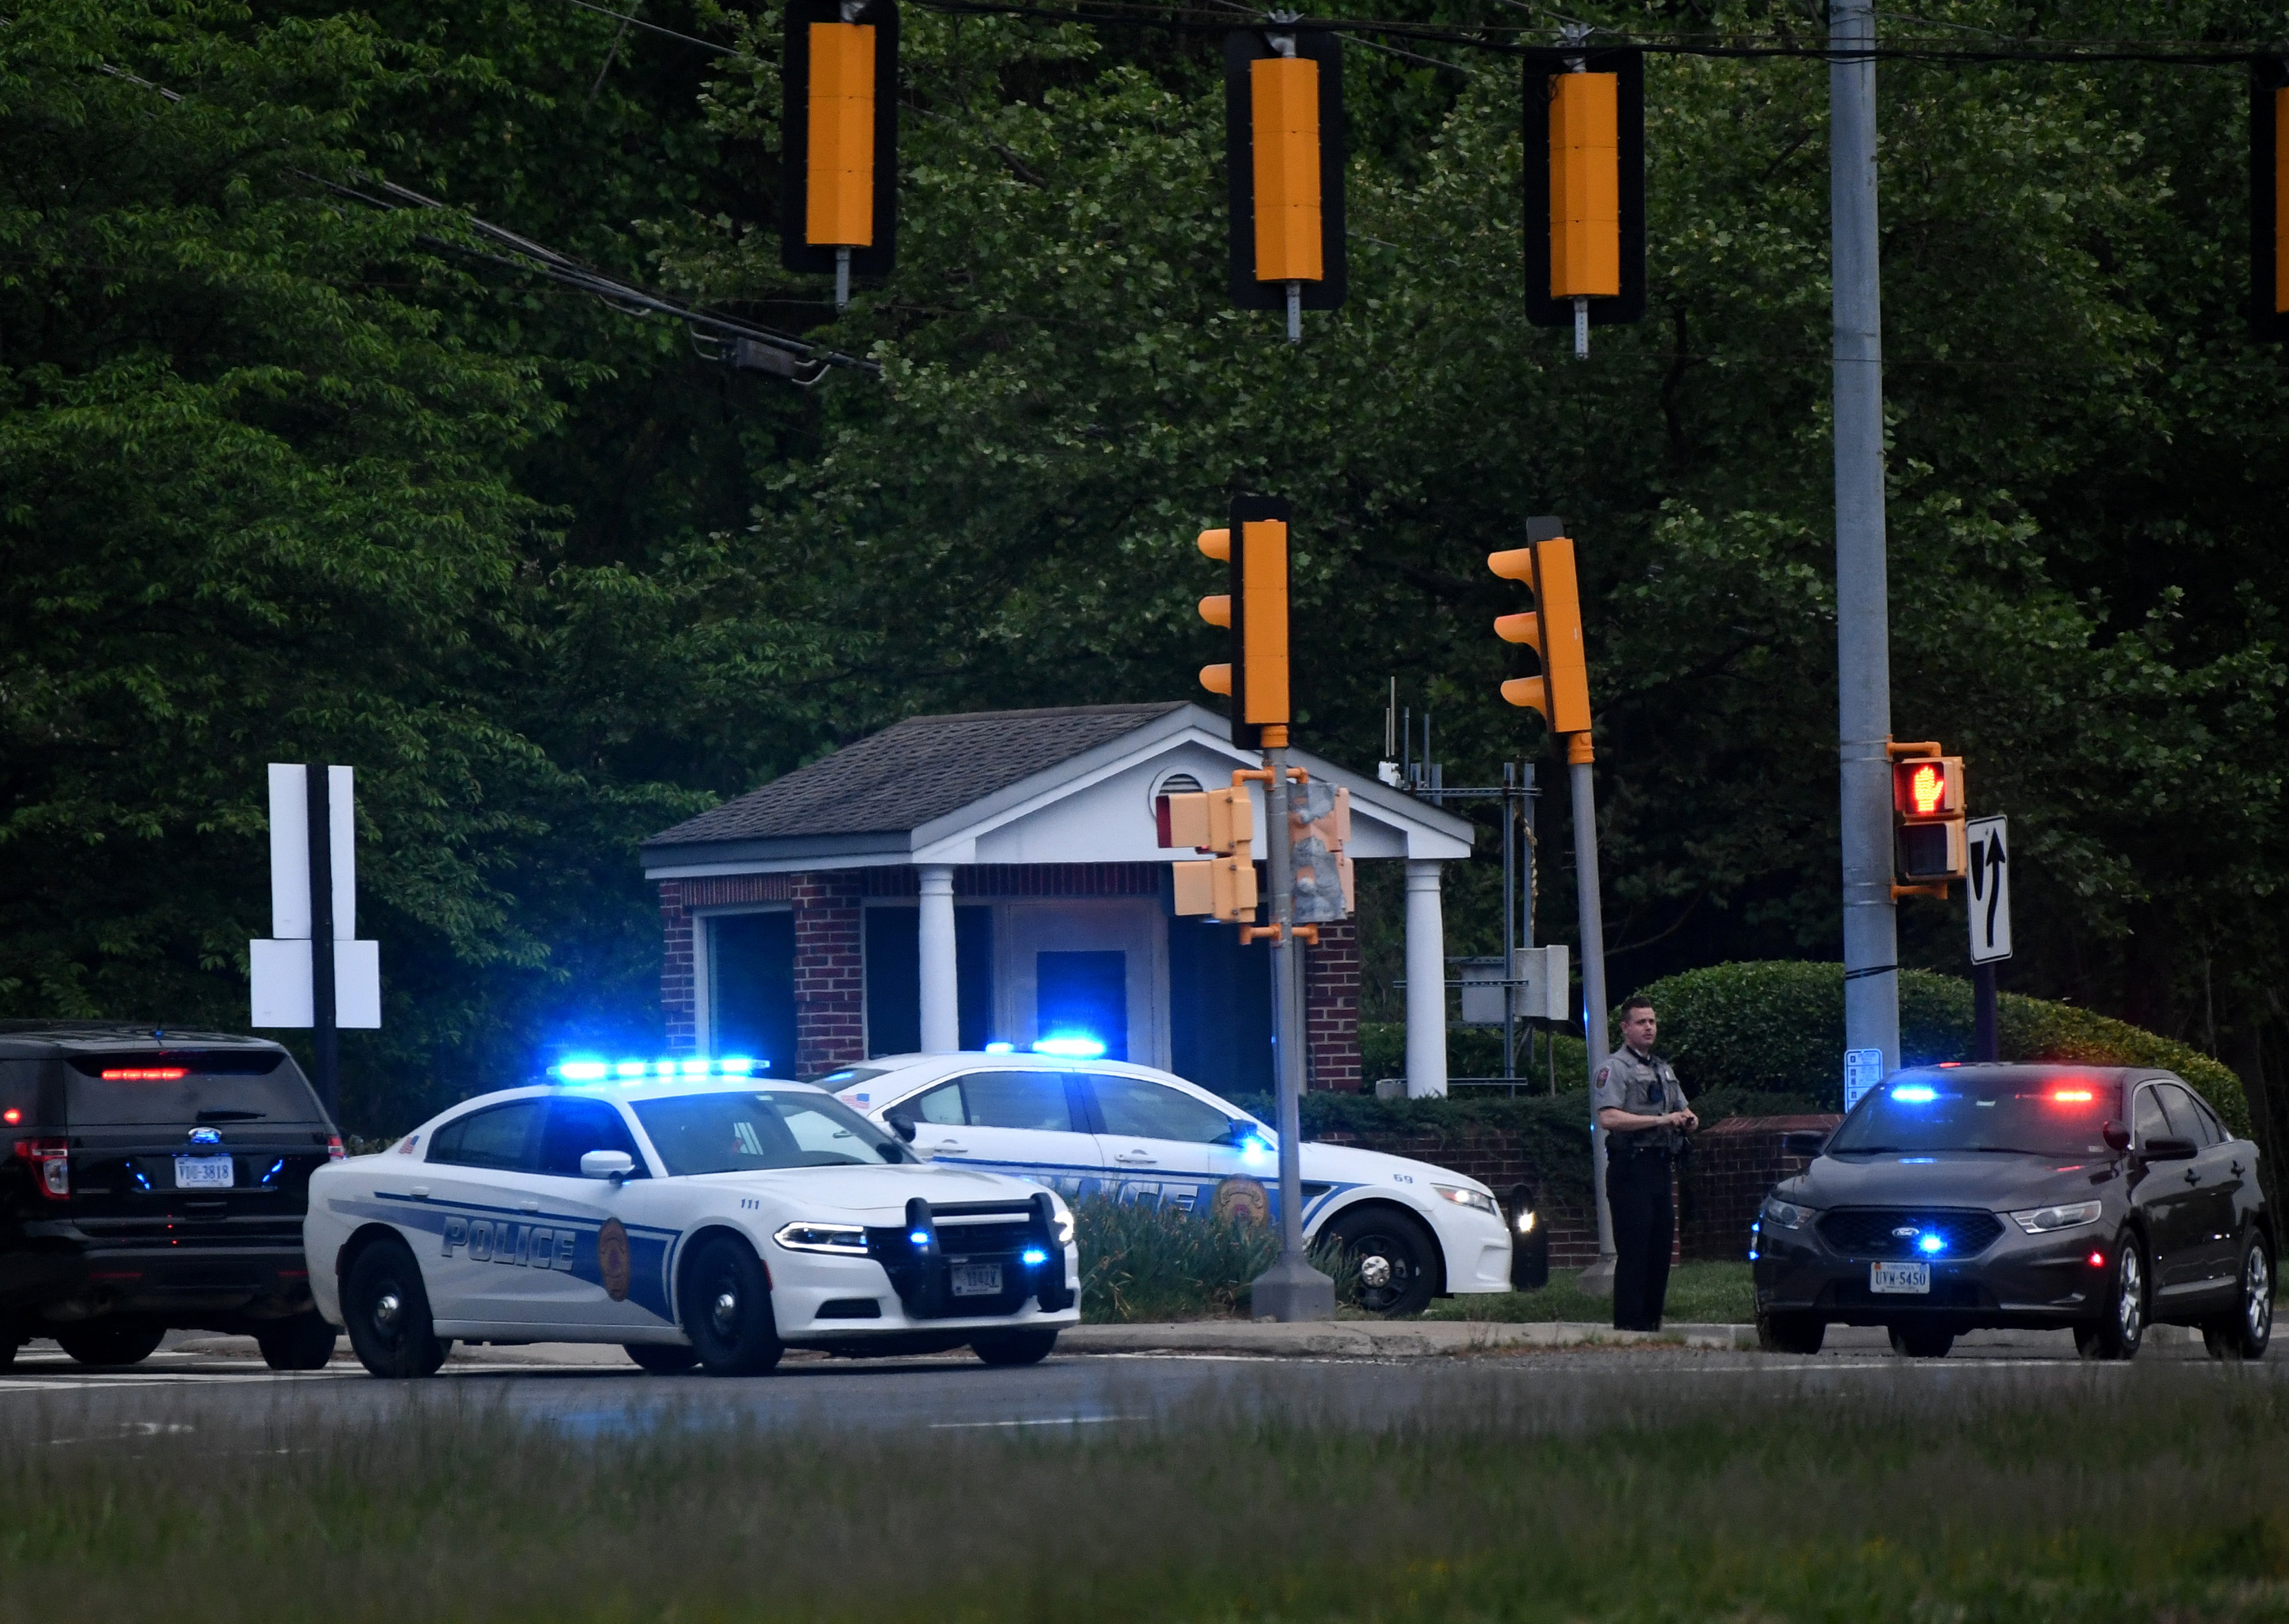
1084	1126
709	1222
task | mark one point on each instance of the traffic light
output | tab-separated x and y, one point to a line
839	139
2269	199
1283	100
1927	813
1254	608
1553	629
1585	232
1319	819
1221	822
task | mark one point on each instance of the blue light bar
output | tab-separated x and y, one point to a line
578	1071
1915	1093
1071	1048
1001	1048
585	1070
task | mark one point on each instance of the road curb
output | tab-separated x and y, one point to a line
1368	1339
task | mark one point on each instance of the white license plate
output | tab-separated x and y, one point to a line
205	1173
1900	1277
978	1280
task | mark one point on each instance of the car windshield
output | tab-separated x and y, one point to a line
1954	1110
756	1133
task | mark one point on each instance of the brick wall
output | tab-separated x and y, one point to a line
829	981
1735	1164
679	994
1331	1005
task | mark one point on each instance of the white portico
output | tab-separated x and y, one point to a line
996	877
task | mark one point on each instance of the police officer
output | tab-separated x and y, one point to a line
1641	1107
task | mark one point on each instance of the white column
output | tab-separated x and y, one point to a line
1426	983
941	983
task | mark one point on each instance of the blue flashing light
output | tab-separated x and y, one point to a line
1000	1048
1033	1257
585	1069
1071	1048
1929	1244
1254	1150
276	1167
578	1071
628	1069
1752	1254
1918	1161
696	1068
740	1066
1915	1093
919	1238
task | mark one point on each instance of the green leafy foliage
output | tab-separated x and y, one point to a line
1144	1260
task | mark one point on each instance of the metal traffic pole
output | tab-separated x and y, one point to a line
326	1040
1599	1277
1864	660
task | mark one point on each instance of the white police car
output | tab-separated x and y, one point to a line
708	1220
1084	1125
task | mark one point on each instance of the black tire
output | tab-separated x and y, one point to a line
726	1300
662	1358
303	1343
1921	1342
1015	1346
385	1310
1396	1257
2118	1334
1790	1334
2246	1332
110	1344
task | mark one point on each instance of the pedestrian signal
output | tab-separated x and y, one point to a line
1927	815
839	139
1253	610
1218	820
2269	199
1223	887
1320	826
1585	231
1284	166
1553	629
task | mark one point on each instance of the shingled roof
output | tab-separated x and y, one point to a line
904	776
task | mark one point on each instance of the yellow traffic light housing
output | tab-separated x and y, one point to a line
1585	231
1586	187
1254	611
1928	804
1553	629
2269	199
1222	822
1284	164
839	139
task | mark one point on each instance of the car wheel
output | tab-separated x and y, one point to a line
1790	1334
2243	1334
386	1310
2118	1335
727	1309
1921	1342
305	1342
108	1342
662	1358
1015	1346
1396	1257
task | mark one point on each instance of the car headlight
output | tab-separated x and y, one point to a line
1064	1219
840	1240
2072	1215
1788	1214
1461	1197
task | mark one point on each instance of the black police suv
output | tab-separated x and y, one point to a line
1956	1197
155	1181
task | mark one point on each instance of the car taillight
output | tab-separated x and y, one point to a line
334	1151
51	1164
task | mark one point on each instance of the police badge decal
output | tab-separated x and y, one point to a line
612	1258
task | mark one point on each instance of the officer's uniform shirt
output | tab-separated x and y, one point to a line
1643	1085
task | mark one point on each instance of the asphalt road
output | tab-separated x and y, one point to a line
45	1396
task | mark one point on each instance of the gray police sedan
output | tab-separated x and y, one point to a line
1957	1197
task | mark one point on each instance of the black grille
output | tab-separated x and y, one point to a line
985	1242
1872	1232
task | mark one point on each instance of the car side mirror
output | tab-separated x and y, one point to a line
1238	1131
2117	1136
1806	1142
901	1124
2166	1148
607	1164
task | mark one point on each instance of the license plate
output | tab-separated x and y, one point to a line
978	1280
205	1173
1900	1277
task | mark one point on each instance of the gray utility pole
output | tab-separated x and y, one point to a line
1599	1277
1291	1289
325	1042
1863	653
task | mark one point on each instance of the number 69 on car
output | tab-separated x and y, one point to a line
711	1223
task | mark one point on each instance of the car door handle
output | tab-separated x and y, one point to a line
419	1192
2236	1170
1134	1158
527	1206
2192	1177
947	1146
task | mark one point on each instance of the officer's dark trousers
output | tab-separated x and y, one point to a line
1644	1223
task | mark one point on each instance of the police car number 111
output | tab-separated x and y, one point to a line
1901	1277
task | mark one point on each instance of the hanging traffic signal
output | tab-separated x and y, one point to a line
2269	199
1283	100
839	139
1253	609
1221	822
1553	629
1585	232
1927	817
